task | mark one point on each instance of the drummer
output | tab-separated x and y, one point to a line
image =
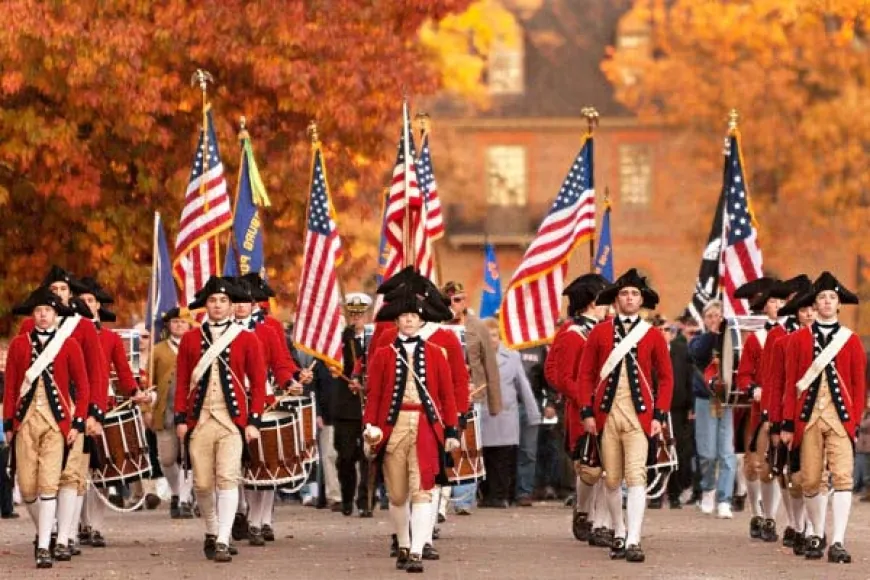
282	371
93	295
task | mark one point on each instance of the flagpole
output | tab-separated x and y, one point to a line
592	116
153	308
243	135
203	77
733	117
408	237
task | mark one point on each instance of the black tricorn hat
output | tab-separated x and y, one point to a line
78	306
760	290
406	275
42	296
106	315
409	280
630	279
91	286
406	301
791	307
259	288
245	287
800	284
826	281
58	274
581	292
217	285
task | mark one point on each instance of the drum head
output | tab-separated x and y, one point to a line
728	358
277	417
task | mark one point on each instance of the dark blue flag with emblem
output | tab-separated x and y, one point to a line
490	298
604	255
162	295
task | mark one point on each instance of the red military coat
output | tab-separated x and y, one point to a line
562	371
384	402
774	383
275	325
385	334
245	360
68	366
848	395
85	333
653	359
282	366
113	350
749	374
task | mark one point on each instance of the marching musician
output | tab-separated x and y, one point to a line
177	321
285	373
211	403
410	413
74	479
616	391
823	404
773	405
766	297
42	410
95	297
561	370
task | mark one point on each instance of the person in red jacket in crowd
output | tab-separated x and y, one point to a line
94	297
616	392
796	318
561	370
410	416
42	417
254	512
823	403
219	400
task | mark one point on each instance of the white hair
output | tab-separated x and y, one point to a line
717	304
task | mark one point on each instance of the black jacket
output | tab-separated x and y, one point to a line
345	405
684	397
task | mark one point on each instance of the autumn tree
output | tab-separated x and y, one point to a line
98	121
799	72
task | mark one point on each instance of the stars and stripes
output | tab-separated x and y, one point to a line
531	304
319	316
741	255
426	179
206	214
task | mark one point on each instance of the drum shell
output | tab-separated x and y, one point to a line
468	464
122	450
275	459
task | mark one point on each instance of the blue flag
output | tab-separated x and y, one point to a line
245	251
162	282
383	251
604	255
490	298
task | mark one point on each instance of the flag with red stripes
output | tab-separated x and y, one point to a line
426	178
207	213
319	314
530	308
741	256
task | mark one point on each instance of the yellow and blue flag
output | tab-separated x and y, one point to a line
245	252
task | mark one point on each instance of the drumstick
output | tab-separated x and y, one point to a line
128	401
477	391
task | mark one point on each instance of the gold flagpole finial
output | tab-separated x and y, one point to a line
243	130
424	122
592	117
733	117
312	133
201	77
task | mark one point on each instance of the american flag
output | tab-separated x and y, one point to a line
395	233
426	177
741	256
531	304
319	316
207	213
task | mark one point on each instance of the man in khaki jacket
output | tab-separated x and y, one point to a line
165	354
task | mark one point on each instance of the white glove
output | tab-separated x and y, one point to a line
372	434
451	444
756	395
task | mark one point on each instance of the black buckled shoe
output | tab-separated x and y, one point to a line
814	549
84	535
581	526
231	548
185	512
347	508
755	525
788	537
738	503
655	503
222	553
634	553
768	531
61	553
174	508
394	546
436	533
74	549
255	537
240	527
402	557
268	533
430	553
617	549
97	539
43	558
798	547
364	513
415	564
441	518
837	554
209	546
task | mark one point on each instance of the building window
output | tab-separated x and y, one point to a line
505	70
506	175
635	174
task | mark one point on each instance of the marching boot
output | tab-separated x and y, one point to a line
255	537
402	557
634	553
768	531
755	525
799	545
394	546
84	535
837	554
62	553
617	549
231	548
430	553
240	527
814	549
174	509
415	564
74	550
222	553
97	539
209	546
268	533
581	526
185	512
43	558
738	503
655	503
788	537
